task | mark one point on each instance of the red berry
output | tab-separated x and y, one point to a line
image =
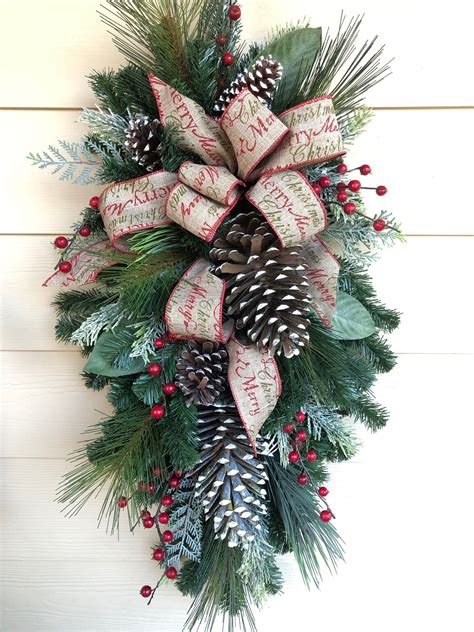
163	518
94	202
316	188
171	573
365	170
151	488
174	482
342	168
122	502
354	186
311	456
145	591
302	478
169	388
159	343
154	369
379	225
325	181
157	412
145	514
84	231
294	456
65	266
342	196
167	501
289	428
61	242
148	523
221	40
300	416
349	208
227	59
323	491
301	435
234	12
178	473
167	536
381	190
159	554
341	186
325	515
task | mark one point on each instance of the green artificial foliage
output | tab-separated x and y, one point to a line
132	460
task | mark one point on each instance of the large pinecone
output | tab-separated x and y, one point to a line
230	480
201	372
261	80
143	140
268	285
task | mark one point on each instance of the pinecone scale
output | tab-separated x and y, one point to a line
143	137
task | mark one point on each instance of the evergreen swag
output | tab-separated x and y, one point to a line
221	511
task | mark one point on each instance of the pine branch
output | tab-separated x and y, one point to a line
73	161
186	526
312	542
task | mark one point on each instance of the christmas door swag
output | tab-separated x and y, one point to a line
231	317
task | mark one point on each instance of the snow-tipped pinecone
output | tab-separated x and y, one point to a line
201	372
143	137
230	480
261	80
267	284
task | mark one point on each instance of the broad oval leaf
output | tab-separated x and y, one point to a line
99	360
296	52
351	321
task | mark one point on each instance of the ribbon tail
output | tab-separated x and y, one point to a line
255	383
322	273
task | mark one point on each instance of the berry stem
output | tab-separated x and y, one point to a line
155	589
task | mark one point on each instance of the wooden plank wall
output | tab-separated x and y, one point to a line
404	505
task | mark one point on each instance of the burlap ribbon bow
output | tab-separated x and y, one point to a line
252	152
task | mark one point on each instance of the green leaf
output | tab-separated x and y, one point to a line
100	361
296	51
351	321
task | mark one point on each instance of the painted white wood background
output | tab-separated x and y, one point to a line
404	505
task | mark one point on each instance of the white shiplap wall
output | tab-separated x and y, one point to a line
404	506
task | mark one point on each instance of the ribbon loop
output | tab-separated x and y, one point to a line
255	384
289	203
135	204
253	130
216	183
197	132
314	137
195	308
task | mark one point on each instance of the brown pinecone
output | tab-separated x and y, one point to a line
201	372
229	478
143	140
268	285
261	80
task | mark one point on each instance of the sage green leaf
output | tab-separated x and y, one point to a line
108	346
351	321
296	51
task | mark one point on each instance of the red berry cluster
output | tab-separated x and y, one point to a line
234	14
161	518
353	186
63	243
154	369
299	437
